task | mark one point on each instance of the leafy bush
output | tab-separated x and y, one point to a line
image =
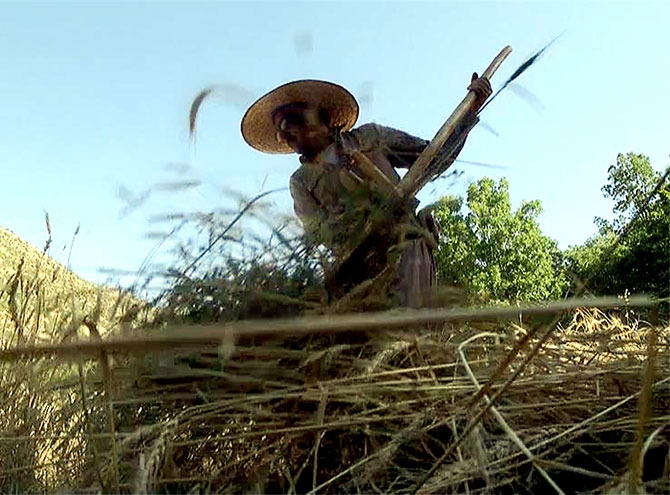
495	252
631	252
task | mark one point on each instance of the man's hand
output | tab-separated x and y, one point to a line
482	88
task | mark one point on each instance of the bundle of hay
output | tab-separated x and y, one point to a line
387	407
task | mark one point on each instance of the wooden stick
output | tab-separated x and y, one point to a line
408	184
416	178
181	336
375	175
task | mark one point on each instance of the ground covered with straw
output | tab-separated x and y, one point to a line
102	393
577	404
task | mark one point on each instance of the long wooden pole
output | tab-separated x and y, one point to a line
181	336
413	178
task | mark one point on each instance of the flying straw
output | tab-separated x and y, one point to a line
521	69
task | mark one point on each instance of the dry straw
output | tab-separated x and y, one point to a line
316	406
566	397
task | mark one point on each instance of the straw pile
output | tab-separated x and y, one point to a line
390	410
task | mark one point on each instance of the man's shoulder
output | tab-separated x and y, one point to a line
374	131
365	129
365	135
304	174
367	125
299	175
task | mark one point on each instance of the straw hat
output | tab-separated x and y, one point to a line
259	130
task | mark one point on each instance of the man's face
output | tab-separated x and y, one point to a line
302	130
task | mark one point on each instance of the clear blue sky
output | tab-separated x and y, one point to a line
95	97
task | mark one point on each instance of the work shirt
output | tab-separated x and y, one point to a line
334	201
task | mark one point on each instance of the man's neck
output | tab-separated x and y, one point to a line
313	154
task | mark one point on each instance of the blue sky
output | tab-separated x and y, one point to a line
94	99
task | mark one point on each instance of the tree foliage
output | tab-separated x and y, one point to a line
629	183
631	252
493	251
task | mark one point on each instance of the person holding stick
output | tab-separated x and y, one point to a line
344	191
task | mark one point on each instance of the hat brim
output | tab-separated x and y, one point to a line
258	128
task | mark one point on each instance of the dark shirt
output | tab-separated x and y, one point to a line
334	201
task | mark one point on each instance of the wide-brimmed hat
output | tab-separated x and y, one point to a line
258	128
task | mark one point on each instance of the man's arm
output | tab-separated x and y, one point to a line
401	148
453	146
306	208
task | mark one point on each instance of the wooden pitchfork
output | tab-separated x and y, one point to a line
417	176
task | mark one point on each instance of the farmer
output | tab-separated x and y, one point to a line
334	200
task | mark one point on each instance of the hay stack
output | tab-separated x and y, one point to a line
394	411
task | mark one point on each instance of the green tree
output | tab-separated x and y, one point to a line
493	251
631	252
629	183
593	264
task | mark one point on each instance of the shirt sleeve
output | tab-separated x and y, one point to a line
305	206
401	148
452	147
